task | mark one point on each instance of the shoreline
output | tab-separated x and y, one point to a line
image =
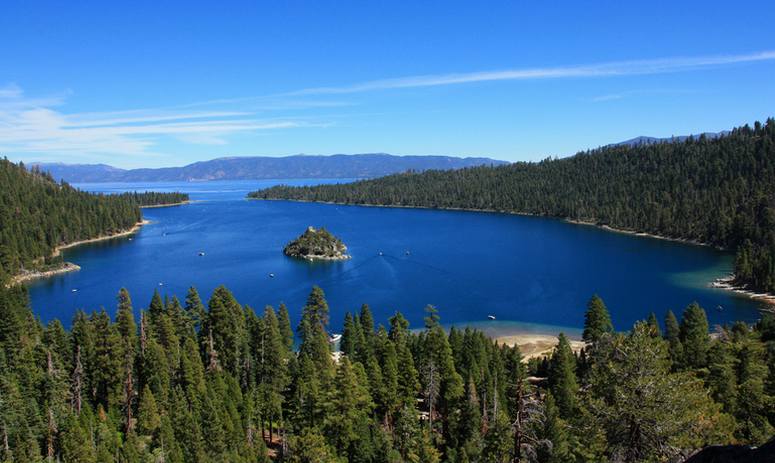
727	283
30	275
153	206
67	267
532	345
310	257
719	283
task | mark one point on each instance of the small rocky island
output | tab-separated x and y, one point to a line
317	244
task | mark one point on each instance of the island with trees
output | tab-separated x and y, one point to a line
317	244
719	192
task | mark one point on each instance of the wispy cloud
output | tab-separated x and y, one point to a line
630	93
33	125
39	126
612	69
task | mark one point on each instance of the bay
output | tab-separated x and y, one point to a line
532	274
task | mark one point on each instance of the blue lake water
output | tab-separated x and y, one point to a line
531	273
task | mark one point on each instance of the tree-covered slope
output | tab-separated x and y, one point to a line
717	191
220	382
37	215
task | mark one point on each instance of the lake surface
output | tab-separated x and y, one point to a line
531	273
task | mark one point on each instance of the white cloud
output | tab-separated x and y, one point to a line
35	126
619	68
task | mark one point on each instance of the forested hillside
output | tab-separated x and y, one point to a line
222	382
717	191
37	214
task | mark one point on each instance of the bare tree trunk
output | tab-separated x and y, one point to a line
77	382
518	425
52	430
143	335
129	392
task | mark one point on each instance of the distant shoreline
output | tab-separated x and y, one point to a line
153	206
720	283
66	267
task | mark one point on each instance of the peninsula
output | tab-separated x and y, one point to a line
317	244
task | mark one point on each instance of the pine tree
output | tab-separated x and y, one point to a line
348	408
553	435
649	413
562	377
226	321
286	331
654	324
148	418
673	337
694	337
597	321
194	309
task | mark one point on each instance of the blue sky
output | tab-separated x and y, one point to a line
167	83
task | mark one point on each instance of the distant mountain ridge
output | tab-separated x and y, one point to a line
644	140
264	167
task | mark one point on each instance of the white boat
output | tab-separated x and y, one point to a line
335	337
491	317
75	290
201	253
271	275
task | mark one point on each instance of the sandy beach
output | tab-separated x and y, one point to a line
536	345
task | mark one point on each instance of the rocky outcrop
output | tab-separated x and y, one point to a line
317	244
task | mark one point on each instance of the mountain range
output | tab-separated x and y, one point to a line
367	165
263	167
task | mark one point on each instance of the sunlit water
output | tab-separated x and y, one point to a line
532	274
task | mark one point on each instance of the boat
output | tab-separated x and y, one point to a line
201	253
491	317
719	308
380	253
271	275
407	253
161	284
75	290
335	337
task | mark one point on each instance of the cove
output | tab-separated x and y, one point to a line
526	271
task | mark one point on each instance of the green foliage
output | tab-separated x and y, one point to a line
720	192
562	377
597	320
234	390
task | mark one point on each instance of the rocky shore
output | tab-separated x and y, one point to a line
728	283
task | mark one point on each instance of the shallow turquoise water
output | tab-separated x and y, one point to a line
468	264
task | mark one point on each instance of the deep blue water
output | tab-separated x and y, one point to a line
467	264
